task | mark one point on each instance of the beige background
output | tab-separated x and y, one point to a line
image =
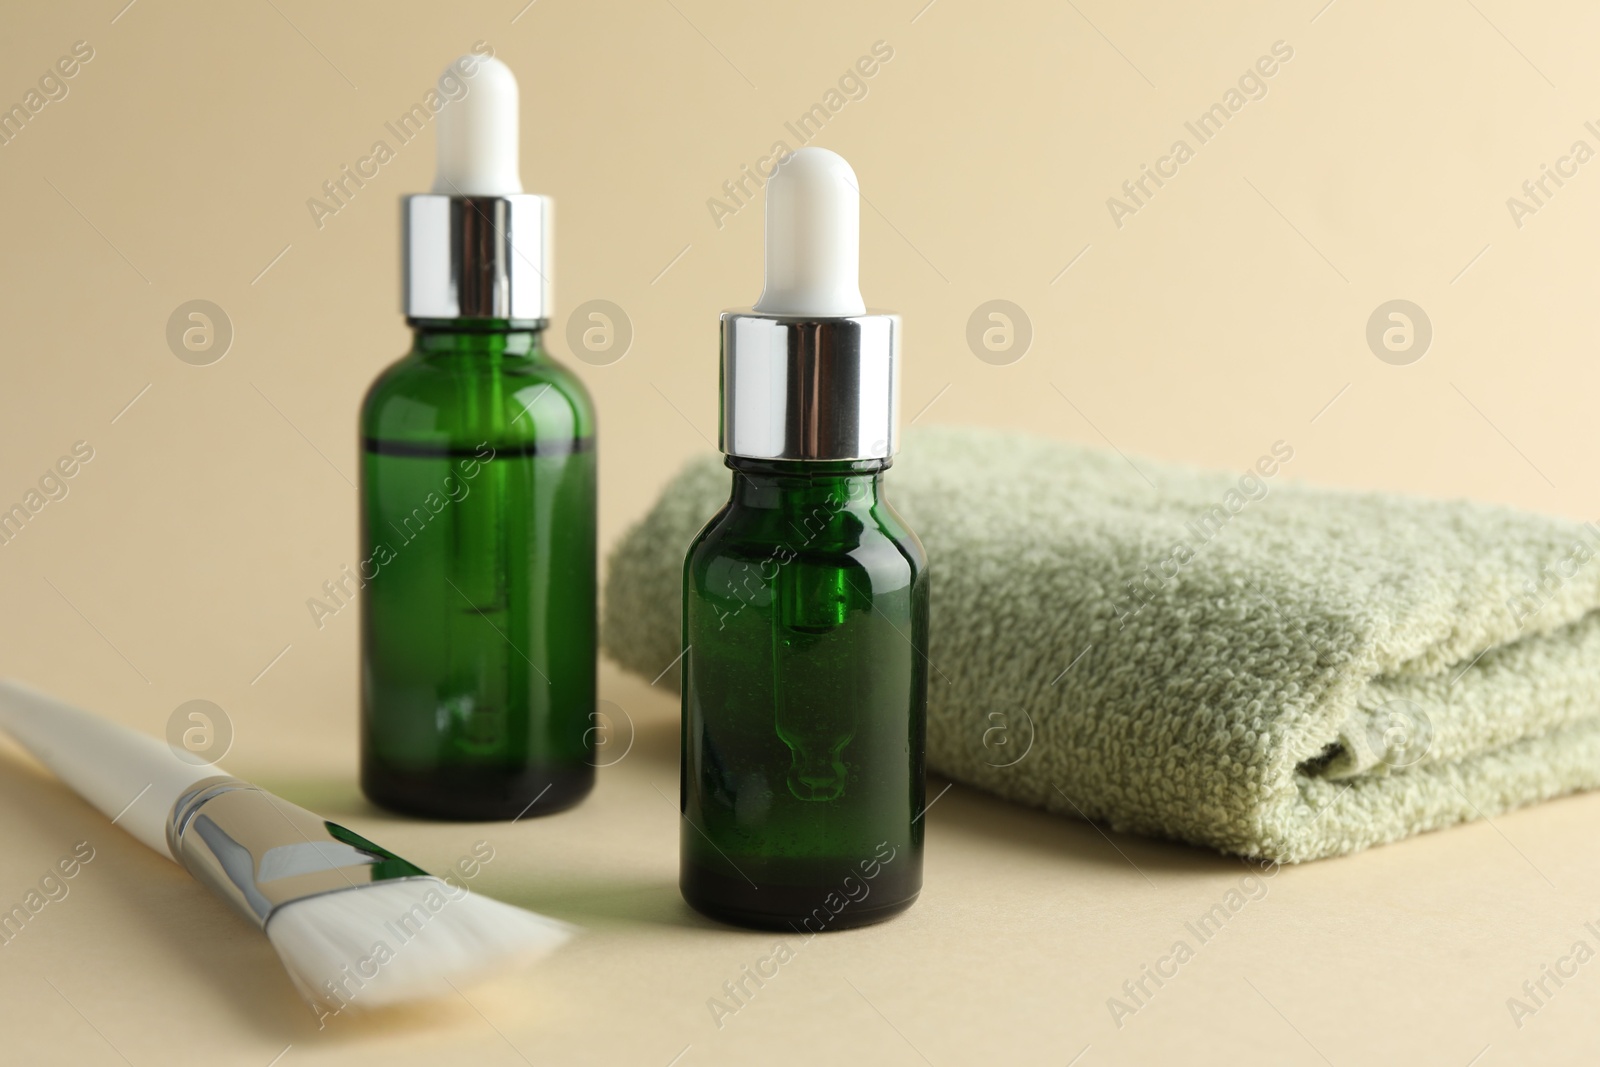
1229	312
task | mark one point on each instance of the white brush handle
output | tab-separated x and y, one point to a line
131	777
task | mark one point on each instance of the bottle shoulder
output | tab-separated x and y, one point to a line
419	398
873	539
903	536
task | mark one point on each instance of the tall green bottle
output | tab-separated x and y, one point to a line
477	504
805	607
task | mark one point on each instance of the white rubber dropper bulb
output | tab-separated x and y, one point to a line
813	238
478	133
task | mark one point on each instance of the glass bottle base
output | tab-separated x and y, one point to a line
472	794
812	909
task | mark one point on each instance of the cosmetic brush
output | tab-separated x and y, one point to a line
354	924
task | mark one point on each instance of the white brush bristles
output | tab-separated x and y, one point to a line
403	940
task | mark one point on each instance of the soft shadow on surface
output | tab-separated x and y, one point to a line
617	902
221	959
651	710
962	810
612	903
656	740
970	812
336	797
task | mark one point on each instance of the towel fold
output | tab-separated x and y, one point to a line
1229	659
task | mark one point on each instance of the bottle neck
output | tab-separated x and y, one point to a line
837	486
489	339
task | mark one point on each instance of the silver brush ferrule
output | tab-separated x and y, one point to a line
260	852
810	388
476	257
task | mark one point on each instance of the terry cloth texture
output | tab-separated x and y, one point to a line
1228	659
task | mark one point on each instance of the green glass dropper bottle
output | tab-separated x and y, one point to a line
805	608
478	503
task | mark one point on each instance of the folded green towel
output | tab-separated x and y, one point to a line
1229	659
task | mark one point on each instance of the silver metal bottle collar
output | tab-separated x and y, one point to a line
476	257
796	388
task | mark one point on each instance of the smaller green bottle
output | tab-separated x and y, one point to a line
477	502
805	605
